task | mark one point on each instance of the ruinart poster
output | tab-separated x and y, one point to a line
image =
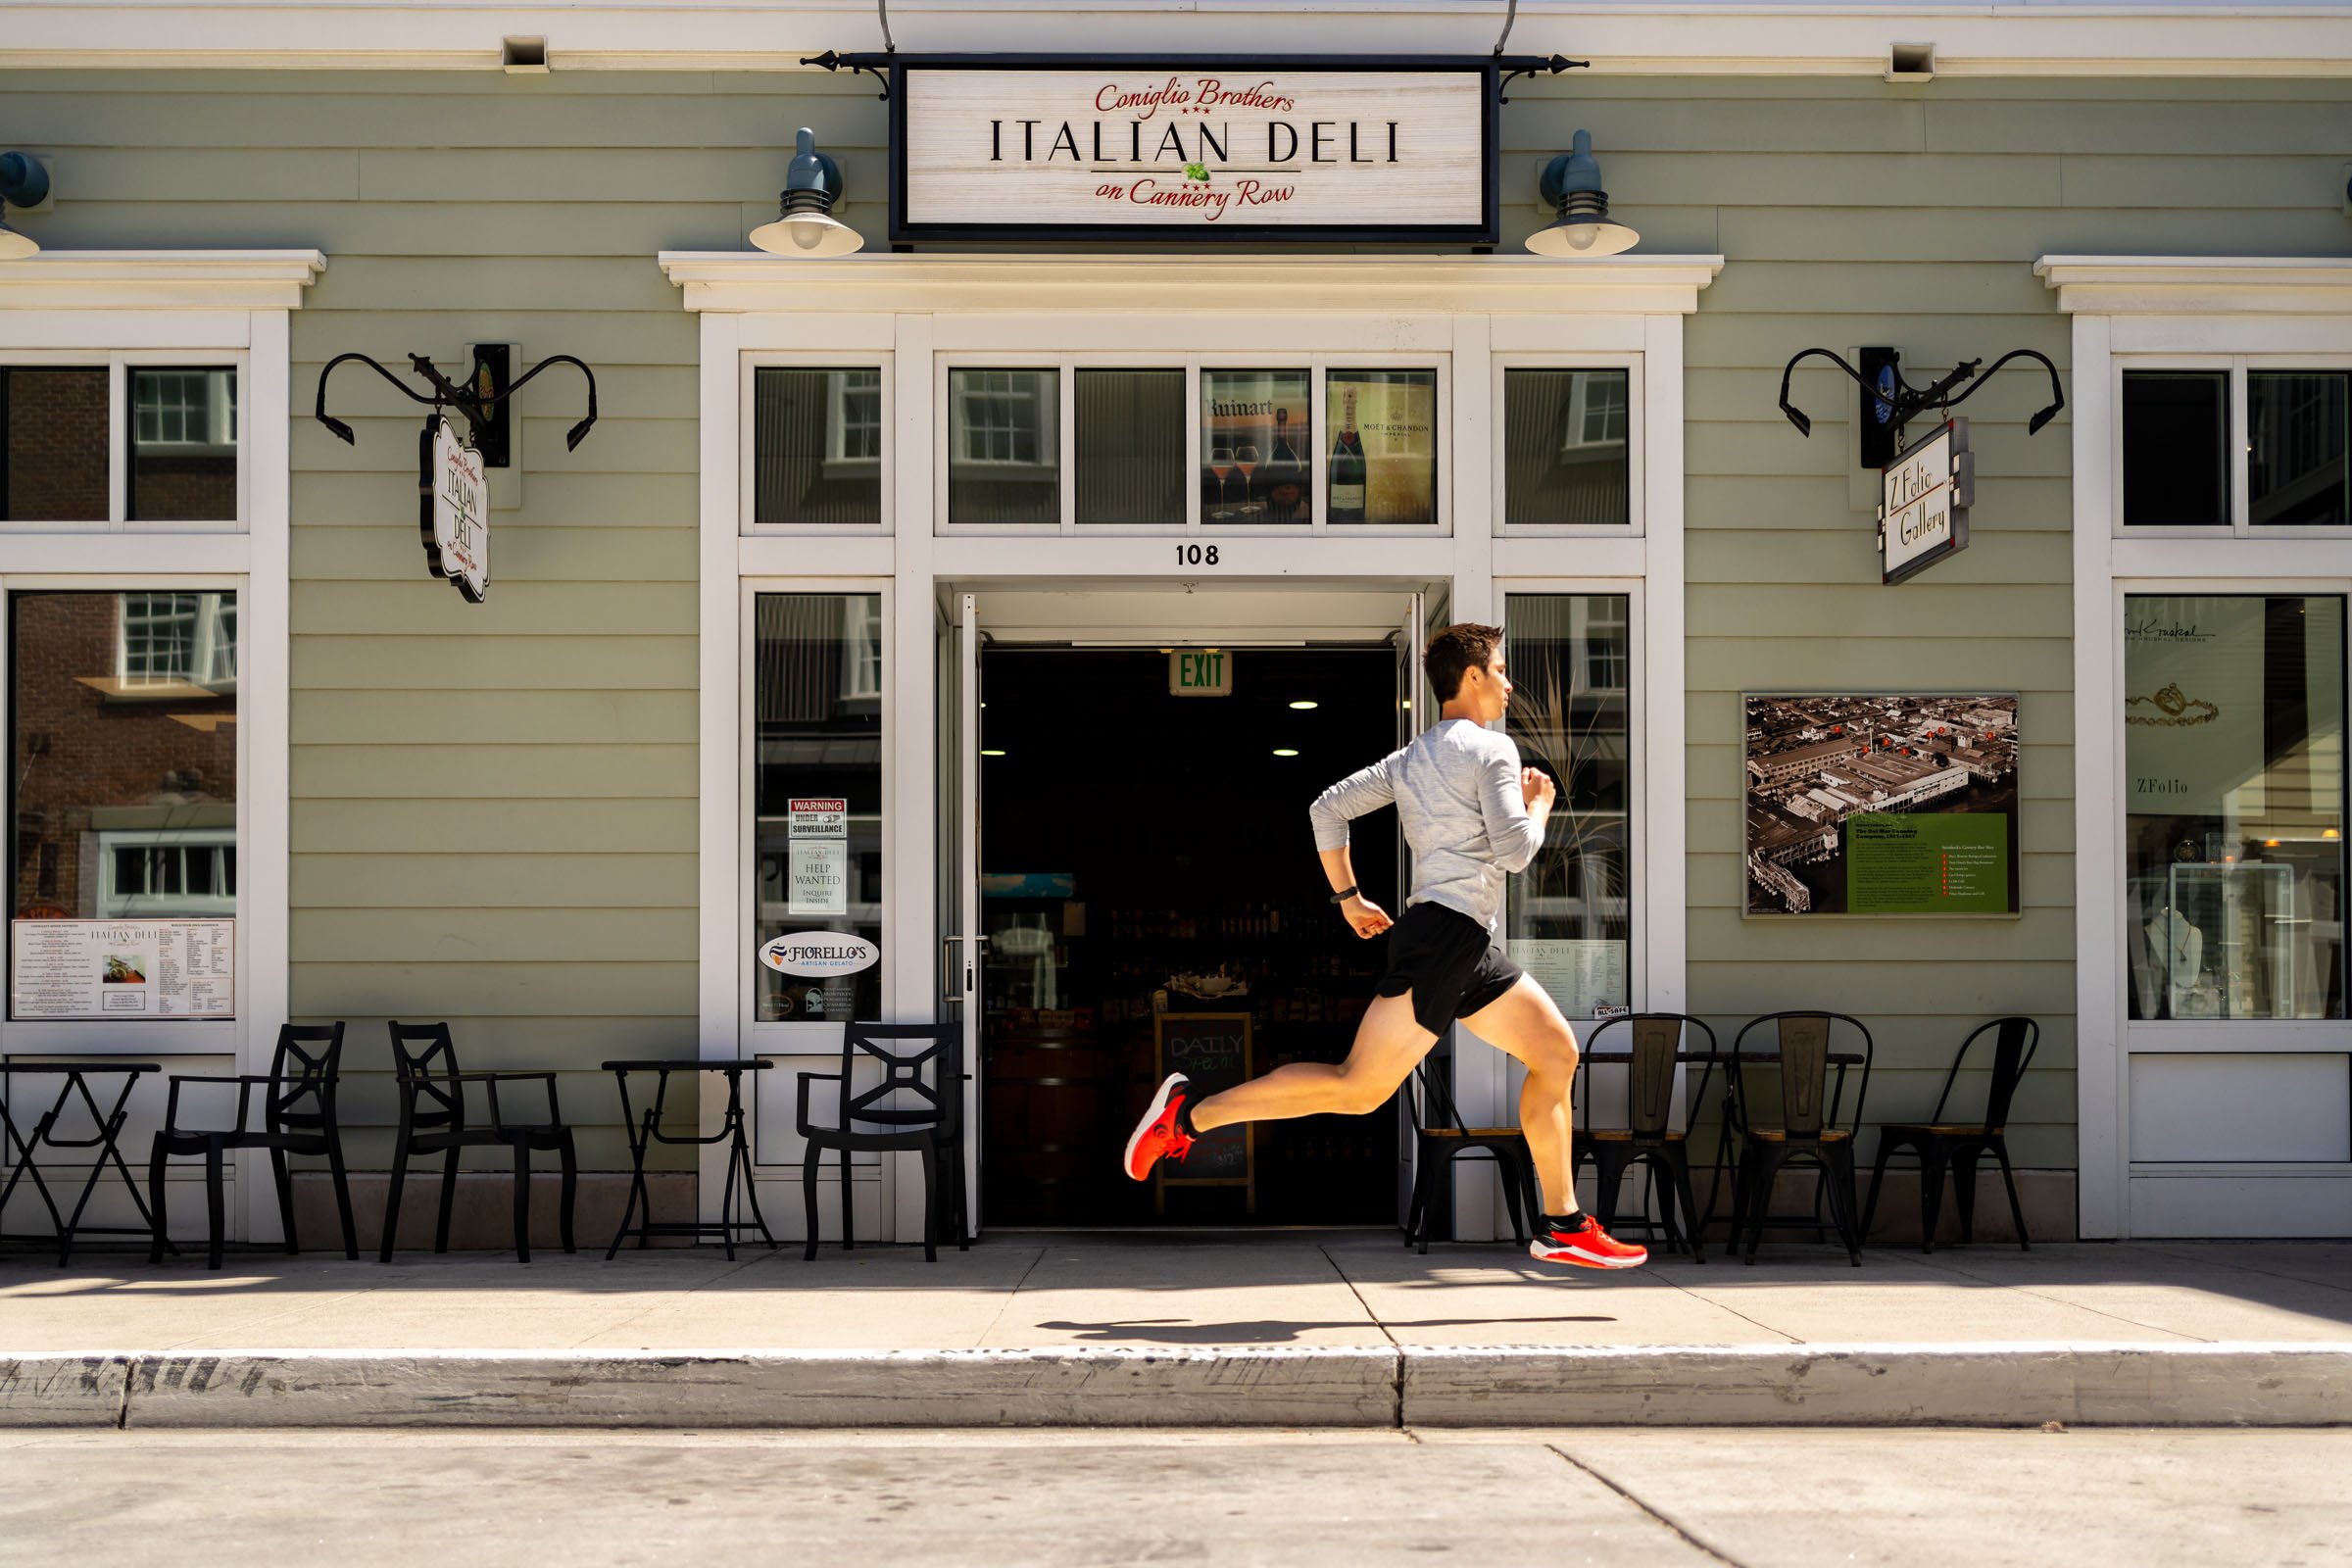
1881	805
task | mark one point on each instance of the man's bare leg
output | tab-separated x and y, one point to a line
1388	1043
1524	1022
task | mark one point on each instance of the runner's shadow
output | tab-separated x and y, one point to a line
1261	1331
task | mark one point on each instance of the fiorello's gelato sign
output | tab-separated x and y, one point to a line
818	955
1193	148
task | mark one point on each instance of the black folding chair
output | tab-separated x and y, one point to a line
1648	1137
1940	1145
298	1117
1439	1139
432	1121
931	1075
1810	1127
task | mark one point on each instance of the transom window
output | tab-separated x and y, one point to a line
2236	446
113	443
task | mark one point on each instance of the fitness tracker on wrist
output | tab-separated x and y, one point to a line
1344	897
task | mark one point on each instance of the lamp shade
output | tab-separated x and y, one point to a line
805	224
14	247
1570	185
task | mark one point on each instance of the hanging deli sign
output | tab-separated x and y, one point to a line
1000	148
457	521
1926	493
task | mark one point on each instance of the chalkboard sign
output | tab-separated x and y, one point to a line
1212	1051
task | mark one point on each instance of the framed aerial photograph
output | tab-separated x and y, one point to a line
1878	805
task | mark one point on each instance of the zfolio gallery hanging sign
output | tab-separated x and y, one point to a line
1003	148
457	519
1925	496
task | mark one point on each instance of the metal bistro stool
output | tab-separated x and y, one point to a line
646	1131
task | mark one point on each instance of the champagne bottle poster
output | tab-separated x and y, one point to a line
1257	447
1396	425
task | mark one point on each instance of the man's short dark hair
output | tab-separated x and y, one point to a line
1455	649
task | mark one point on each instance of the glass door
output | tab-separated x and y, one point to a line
960	942
1416	713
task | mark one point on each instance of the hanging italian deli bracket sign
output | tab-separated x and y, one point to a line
997	150
457	519
123	970
1927	491
818	955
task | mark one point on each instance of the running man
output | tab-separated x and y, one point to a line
1472	815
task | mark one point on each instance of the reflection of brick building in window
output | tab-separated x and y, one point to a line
55	422
147	760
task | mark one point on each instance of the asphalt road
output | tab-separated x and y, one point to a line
852	1498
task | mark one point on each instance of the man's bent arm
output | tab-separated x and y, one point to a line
1363	791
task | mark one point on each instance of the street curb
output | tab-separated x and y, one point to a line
2287	1384
1085	1386
62	1390
2253	1385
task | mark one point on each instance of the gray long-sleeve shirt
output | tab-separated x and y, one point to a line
1456	792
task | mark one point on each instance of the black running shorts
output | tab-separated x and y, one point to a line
1448	963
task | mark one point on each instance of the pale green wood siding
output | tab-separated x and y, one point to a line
495	806
1852	212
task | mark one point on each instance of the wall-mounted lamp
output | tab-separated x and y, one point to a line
1570	185
23	183
805	224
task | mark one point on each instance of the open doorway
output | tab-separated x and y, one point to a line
1151	894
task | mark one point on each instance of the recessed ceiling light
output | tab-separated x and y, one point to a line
1285	751
1306	706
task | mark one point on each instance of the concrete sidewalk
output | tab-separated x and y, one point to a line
1340	1329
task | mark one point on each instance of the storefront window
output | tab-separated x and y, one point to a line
1004	447
2233	753
1257	447
54	423
1130	437
1384	458
123	747
1570	917
1567	440
817	685
818	447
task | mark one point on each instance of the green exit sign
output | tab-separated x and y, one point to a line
1201	672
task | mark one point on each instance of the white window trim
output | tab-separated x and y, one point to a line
217	306
923	309
2158	311
116	905
2236	367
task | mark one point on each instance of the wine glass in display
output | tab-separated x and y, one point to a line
1220	463
1244	458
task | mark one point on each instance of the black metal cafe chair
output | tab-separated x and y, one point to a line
1811	1126
1648	1138
1439	1139
298	1117
1941	1146
433	1121
924	1062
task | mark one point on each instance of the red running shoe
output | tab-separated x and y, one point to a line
1158	1133
1587	1246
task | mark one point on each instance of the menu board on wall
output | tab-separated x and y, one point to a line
123	970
